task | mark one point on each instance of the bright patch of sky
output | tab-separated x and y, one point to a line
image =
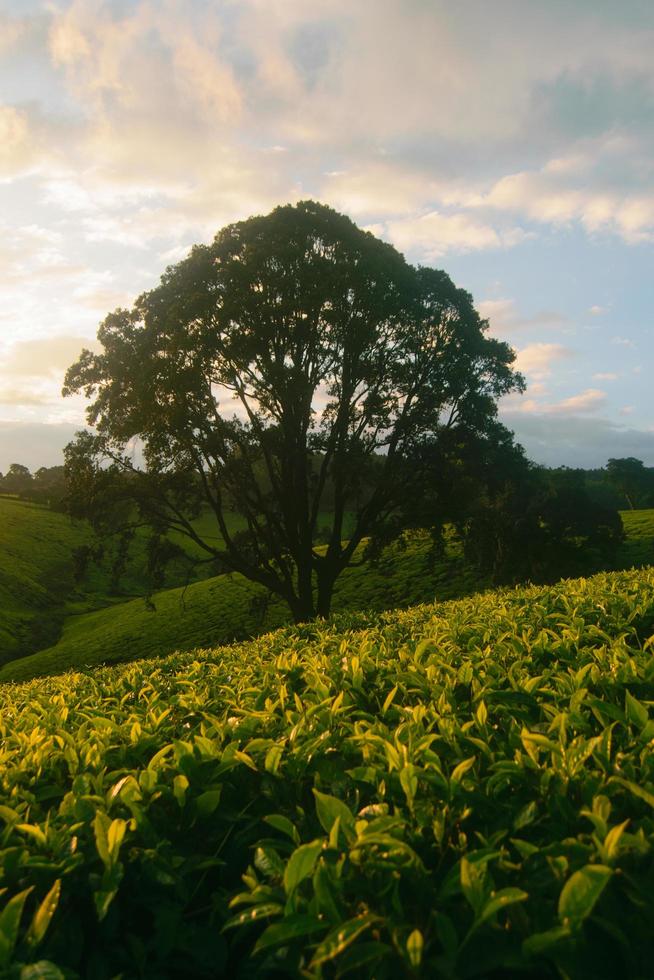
508	143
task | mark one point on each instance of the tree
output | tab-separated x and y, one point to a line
295	363
632	479
17	479
528	522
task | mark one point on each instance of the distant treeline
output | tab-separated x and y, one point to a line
623	484
46	486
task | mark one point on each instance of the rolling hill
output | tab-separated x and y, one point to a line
72	628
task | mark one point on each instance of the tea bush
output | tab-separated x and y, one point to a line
461	790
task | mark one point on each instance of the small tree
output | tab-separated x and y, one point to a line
287	371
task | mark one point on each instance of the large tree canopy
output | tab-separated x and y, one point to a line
294	370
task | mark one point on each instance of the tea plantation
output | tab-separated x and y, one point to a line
227	607
35	575
459	790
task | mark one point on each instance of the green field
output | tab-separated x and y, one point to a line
35	575
37	588
453	791
97	626
638	549
228	607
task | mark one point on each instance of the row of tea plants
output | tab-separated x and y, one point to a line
463	790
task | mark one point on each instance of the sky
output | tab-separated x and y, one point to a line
509	143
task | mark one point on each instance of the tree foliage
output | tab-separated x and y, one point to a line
633	480
288	371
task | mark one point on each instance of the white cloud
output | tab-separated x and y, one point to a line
605	376
537	360
506	321
435	234
586	401
597	310
16	152
43	356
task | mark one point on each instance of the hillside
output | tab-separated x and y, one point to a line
460	790
97	625
35	575
228	607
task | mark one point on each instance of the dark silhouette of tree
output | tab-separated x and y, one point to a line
294	364
528	522
633	480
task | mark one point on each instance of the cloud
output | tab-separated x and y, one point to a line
597	310
16	151
20	396
604	188
43	357
586	401
11	29
537	360
605	376
506	321
435	234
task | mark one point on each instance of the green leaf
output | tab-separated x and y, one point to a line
273	758
301	864
414	947
409	782
284	825
541	941
180	786
294	927
500	900
341	937
101	824
634	788
43	915
115	836
103	899
360	955
253	914
329	808
612	839
462	768
473	884
268	862
389	700
581	891
207	803
43	970
635	711
9	924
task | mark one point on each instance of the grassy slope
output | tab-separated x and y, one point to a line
35	574
496	753
221	610
638	549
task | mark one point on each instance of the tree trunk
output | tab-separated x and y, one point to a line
326	580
